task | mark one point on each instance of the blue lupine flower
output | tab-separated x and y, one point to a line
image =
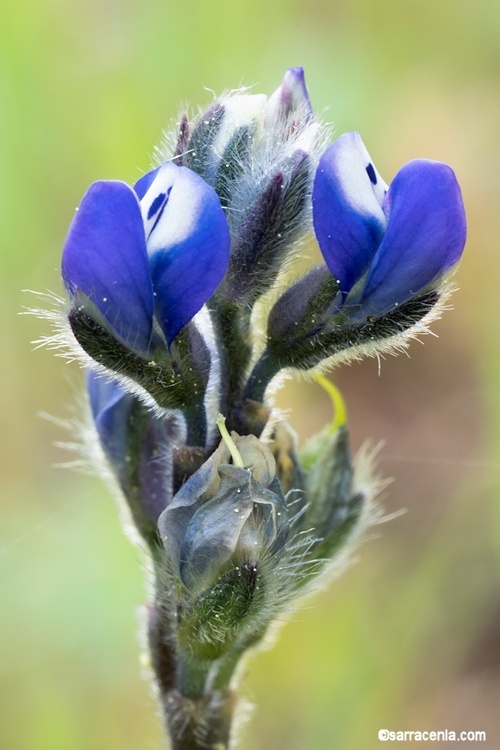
385	244
136	444
160	249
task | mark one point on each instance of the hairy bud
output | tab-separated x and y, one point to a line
223	523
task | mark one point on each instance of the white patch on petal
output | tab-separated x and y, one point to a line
351	163
177	215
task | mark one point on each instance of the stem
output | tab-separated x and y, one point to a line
200	725
260	377
196	422
197	716
244	414
233	324
223	674
163	658
197	702
192	678
195	719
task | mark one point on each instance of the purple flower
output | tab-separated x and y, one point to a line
137	446
157	251
385	244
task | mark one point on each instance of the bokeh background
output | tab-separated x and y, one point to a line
409	637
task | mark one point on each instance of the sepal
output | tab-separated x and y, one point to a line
240	111
334	507
323	331
198	154
174	379
267	229
235	160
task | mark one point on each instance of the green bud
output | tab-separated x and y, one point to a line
221	533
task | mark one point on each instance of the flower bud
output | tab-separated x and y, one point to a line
289	101
259	154
240	111
334	506
138	449
220	533
211	150
265	230
225	515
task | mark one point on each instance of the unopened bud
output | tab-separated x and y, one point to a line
224	521
333	505
138	449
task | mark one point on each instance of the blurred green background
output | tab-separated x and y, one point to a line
409	637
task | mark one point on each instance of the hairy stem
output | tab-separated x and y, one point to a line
233	324
260	377
202	724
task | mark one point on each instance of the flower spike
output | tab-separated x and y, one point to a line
187	301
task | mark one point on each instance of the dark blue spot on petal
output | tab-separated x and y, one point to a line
166	196
154	207
371	174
